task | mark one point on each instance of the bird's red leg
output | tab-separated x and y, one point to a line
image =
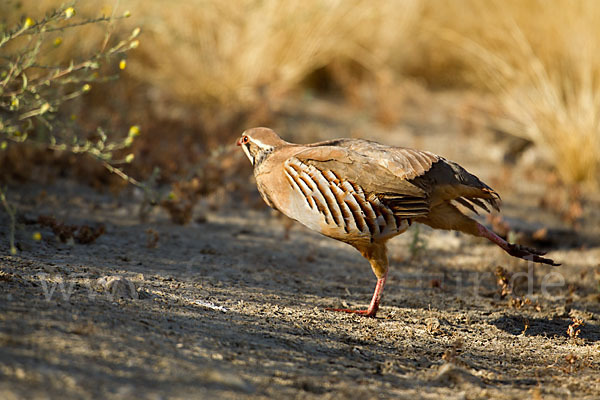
373	307
515	250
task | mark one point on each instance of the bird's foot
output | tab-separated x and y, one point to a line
373	306
367	313
516	250
527	253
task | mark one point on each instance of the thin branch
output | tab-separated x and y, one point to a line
122	174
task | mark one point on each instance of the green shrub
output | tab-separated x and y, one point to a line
35	85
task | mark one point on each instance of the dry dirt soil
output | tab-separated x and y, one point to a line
233	306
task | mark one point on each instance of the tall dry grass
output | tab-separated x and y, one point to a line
542	60
230	51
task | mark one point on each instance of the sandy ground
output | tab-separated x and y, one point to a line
234	307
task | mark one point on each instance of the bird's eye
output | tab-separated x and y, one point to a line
245	140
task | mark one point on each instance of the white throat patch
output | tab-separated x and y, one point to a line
259	151
245	148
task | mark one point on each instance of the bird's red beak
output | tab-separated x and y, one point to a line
239	142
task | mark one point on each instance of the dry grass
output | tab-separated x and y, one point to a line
541	60
231	52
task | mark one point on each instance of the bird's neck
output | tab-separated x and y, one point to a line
260	158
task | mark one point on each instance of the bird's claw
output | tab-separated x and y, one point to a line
529	254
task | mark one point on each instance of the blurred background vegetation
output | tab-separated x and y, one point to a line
205	70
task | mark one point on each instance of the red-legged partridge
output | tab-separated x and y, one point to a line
364	193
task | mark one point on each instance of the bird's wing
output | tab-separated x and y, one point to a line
402	162
375	172
438	178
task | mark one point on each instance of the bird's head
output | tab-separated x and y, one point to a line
258	143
